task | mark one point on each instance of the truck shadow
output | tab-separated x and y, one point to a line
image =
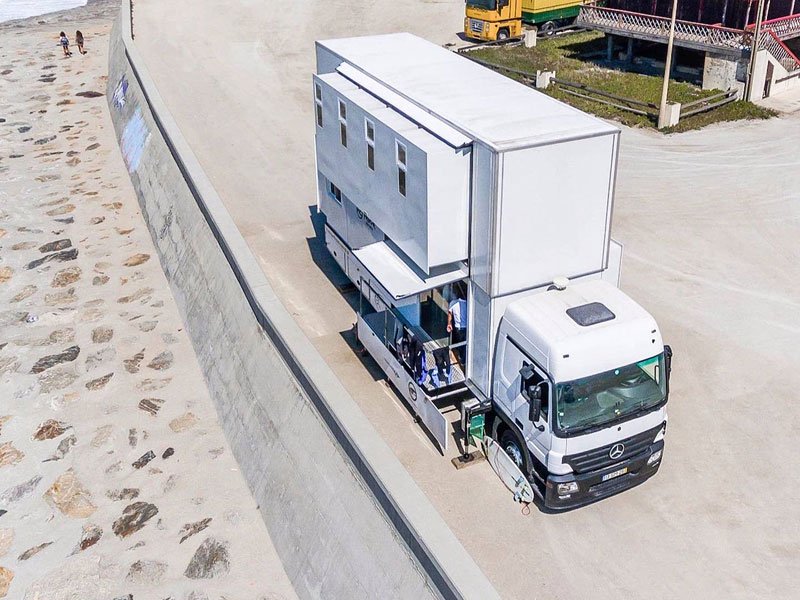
351	339
326	263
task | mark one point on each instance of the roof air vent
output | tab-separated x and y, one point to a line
590	314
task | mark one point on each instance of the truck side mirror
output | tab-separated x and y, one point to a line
668	363
535	398
668	360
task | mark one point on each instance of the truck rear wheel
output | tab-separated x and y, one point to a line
548	28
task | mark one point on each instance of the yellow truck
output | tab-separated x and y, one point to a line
490	20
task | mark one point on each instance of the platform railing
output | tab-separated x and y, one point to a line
775	46
713	36
785	28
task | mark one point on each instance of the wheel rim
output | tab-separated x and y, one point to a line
514	454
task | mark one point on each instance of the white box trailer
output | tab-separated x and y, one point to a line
438	178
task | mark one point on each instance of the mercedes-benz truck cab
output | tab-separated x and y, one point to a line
580	389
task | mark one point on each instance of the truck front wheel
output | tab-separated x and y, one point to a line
502	35
510	445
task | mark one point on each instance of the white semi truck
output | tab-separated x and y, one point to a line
443	182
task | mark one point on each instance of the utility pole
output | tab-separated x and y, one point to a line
754	49
662	122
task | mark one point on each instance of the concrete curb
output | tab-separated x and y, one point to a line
450	570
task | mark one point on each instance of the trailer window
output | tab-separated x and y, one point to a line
318	103
335	192
343	123
402	168
369	134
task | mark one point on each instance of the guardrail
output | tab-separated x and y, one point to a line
712	36
708	103
510	42
581	90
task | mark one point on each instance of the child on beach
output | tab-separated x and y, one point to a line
79	41
65	44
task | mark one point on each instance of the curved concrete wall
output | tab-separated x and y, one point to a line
346	518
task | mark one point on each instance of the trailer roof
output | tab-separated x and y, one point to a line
484	105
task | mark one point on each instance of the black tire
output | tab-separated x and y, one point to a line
502	35
548	29
510	445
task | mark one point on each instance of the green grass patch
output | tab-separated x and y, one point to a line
571	58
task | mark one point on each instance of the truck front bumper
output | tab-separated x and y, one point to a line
604	482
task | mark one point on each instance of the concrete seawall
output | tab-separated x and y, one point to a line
345	517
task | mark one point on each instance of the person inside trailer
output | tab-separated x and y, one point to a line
457	323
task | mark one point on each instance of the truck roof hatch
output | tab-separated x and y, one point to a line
590	314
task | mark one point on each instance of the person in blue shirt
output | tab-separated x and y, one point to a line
457	324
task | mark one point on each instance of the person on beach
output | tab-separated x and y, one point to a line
65	44
79	41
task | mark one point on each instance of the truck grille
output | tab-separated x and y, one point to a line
476	25
599	458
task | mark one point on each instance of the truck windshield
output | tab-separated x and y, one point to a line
601	399
484	4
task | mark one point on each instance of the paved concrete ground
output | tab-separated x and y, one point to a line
710	222
116	480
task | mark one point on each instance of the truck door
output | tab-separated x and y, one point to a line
508	388
537	434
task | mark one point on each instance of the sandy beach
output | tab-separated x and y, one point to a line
116	481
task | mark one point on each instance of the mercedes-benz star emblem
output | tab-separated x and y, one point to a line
616	451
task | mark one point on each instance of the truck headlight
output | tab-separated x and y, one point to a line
567	488
654	458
